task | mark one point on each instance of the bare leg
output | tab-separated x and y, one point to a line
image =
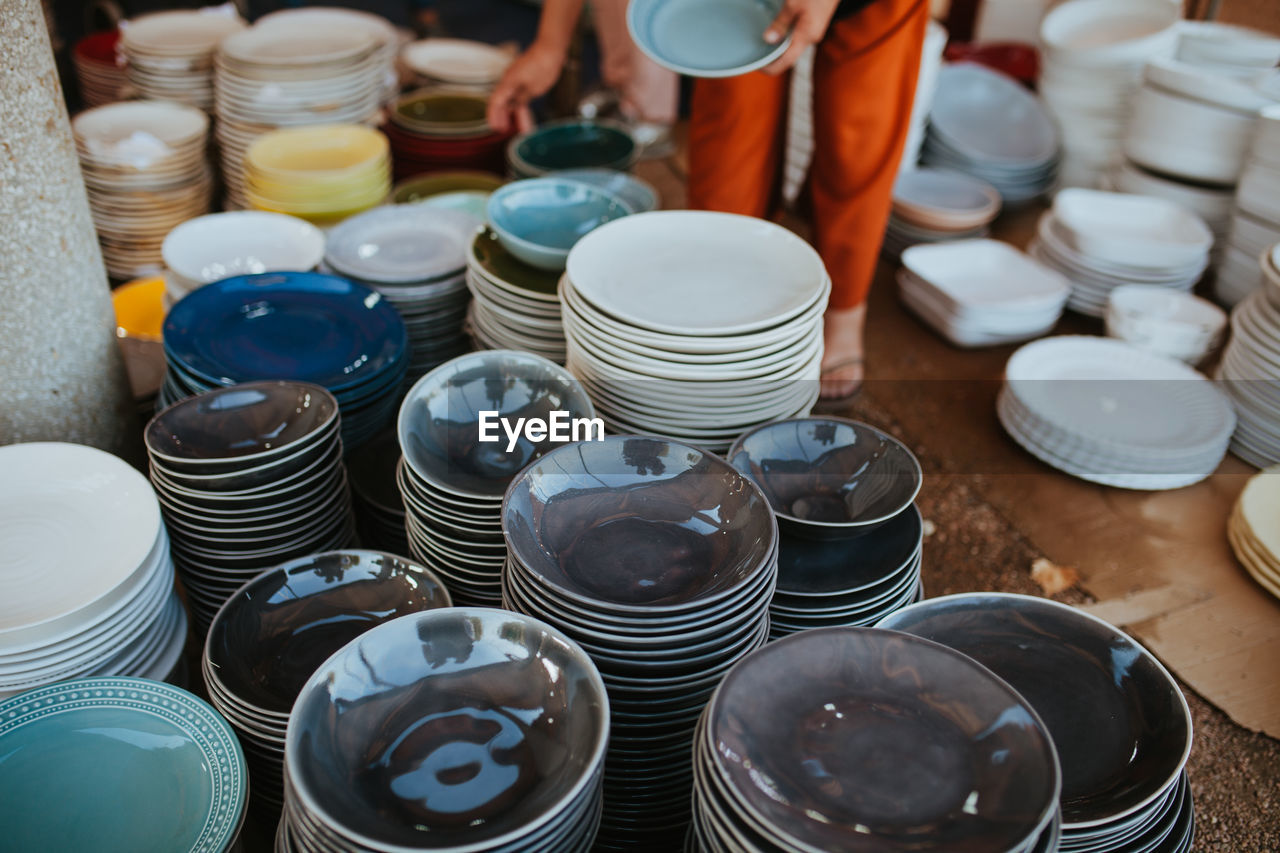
842	368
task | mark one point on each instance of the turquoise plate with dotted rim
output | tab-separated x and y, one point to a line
118	764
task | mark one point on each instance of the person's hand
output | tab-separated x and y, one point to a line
532	75
807	20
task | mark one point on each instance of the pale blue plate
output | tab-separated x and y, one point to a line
706	38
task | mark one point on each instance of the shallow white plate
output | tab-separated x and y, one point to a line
178	33
938	197
456	60
1131	230
986	273
401	243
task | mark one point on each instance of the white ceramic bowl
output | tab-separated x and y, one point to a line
1210	42
1187	138
213	247
1156	319
1104	32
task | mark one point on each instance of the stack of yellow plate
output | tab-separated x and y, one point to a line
1254	535
322	174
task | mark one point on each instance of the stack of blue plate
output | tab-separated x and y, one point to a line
291	325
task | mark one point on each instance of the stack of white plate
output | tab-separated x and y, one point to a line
169	55
1255	222
1212	204
694	325
415	256
981	292
327	17
1250	369
100	72
455	62
1107	412
87	582
514	305
1101	241
937	205
290	73
1227	48
988	125
1252	530
935	41
1158	320
145	170
1092	53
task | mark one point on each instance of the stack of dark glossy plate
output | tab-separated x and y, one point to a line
269	638
660	560
1121	725
376	497
452	480
291	325
851	536
866	740
247	477
465	729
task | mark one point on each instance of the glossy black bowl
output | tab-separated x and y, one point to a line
637	524
828	478
1121	725
270	637
462	726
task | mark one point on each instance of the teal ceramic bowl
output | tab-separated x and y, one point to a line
572	144
538	220
118	764
637	194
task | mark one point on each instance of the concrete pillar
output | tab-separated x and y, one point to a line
61	373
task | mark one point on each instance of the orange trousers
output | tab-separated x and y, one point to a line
864	80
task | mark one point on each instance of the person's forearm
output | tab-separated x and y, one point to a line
559	19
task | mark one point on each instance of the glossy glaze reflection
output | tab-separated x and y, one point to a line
828	477
463	725
576	144
637	521
1119	721
813	566
271	636
869	740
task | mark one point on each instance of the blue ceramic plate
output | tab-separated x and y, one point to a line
303	326
118	764
706	38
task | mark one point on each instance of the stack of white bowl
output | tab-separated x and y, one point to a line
145	170
988	125
936	206
1165	322
981	292
289	73
87	581
1250	371
1101	240
694	325
455	63
1255	221
169	55
240	242
1092	53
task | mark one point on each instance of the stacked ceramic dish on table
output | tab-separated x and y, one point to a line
169	56
300	326
1110	413
375	495
455	190
277	630
322	174
455	62
452	481
1092	53
240	242
443	129
1119	722
145	171
248	477
100	77
854	739
323	20
1211	203
415	256
981	292
1255	220
295	70
851	536
571	144
1250	372
87	578
1164	322
660	560
490	737
514	304
938	205
1252	533
694	325
987	125
1101	241
119	765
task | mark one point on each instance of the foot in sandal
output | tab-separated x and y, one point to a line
842	357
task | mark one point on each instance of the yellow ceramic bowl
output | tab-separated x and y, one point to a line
139	308
311	189
323	151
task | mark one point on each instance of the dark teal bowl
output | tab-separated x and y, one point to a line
572	144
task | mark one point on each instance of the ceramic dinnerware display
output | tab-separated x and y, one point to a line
490	737
986	124
694	325
1252	535
1118	719
272	634
1255	220
660	560
91	521
66	746
452	482
308	327
981	292
247	477
145	170
415	256
637	194
1213	204
375	495
169	56
1177	325
869	740
456	62
1249	372
540	219
324	19
571	144
460	189
322	173
100	75
722	38
1103	240
443	129
1110	413
240	242
938	205
514	305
